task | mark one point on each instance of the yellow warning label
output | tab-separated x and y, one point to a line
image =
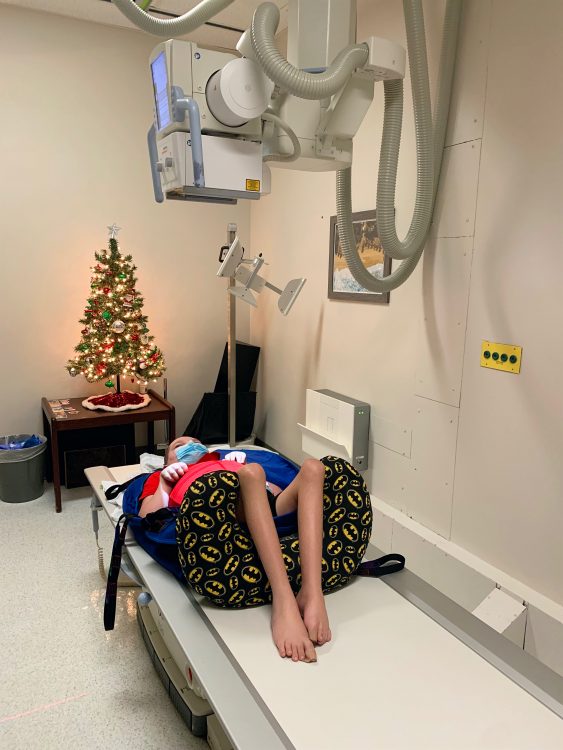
253	186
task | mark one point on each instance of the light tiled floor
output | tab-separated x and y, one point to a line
64	681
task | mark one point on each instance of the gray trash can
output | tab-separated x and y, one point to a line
22	470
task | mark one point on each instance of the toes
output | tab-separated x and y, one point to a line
301	651
313	634
281	650
310	653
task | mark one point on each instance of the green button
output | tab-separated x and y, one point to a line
495	356
504	357
487	355
513	359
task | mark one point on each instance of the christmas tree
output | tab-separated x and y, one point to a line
115	337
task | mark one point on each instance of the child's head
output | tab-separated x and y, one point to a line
170	456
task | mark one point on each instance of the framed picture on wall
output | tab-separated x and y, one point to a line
341	283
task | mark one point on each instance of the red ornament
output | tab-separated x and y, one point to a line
106	290
85	331
134	337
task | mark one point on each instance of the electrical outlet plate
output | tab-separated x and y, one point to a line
505	357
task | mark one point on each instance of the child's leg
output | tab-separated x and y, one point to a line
305	494
288	629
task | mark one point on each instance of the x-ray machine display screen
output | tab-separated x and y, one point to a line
160	86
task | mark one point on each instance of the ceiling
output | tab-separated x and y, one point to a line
236	17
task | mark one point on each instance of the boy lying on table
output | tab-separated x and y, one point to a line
299	621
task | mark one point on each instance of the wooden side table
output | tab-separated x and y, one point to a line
158	410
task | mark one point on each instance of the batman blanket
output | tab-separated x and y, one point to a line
219	559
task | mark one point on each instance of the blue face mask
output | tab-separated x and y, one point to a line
191	452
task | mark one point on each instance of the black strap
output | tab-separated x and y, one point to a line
112	492
113	573
382	566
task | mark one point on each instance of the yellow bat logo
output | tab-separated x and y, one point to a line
181	559
197	502
333	532
243	542
197	487
338	498
327	502
335	565
366	518
213	572
229	548
210	554
338	467
355	483
190	540
324	566
231	565
254	601
332	581
185	523
212	481
349	565
362	551
206	537
336	515
353	516
295	545
249	557
237	597
350	549
299	580
233	496
231	510
217	498
214	588
335	547
288	562
355	499
365	535
350	532
328	472
229	478
191	559
198	590
202	520
225	531
195	575
251	574
268	586
340	482
233	583
221	515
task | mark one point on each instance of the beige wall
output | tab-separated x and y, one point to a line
76	106
472	454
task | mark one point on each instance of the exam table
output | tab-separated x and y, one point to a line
407	668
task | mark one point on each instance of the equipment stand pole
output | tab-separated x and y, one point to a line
232	350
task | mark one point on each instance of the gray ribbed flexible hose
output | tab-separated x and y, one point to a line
430	146
189	21
289	78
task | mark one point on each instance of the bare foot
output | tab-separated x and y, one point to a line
315	617
289	632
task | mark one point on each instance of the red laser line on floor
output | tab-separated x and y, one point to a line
46	707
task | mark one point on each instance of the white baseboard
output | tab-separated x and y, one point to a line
468	580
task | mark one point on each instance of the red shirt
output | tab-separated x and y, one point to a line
208	463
